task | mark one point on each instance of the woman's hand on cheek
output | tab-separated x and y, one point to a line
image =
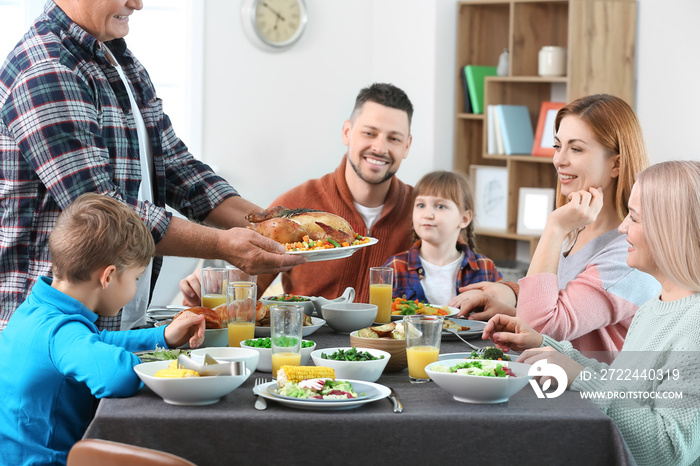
581	210
188	327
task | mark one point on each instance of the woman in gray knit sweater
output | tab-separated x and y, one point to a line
652	390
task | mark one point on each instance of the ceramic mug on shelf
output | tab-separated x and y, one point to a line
552	61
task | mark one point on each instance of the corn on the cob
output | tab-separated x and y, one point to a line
298	373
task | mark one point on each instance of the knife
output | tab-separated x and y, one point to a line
398	407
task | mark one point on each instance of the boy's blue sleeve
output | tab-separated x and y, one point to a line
106	368
136	340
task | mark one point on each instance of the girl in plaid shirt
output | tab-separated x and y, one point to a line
442	260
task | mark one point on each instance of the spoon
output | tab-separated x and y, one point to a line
474	347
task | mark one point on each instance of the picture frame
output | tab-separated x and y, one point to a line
544	134
534	206
490	187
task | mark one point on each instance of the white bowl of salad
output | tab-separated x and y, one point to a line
305	302
479	380
366	364
264	347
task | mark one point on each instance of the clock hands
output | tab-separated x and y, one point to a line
279	16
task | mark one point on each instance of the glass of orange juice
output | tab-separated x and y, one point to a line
423	335
214	281
381	281
286	322
241	300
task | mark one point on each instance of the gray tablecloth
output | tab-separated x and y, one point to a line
433	429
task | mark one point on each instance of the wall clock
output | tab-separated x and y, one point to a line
274	25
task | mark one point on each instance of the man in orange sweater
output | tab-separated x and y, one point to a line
363	190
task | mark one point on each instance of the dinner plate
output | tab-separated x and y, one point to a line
163	313
333	253
362	389
476	328
453	312
305	330
382	392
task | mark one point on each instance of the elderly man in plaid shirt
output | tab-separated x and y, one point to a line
79	113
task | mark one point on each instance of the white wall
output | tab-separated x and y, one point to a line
668	91
273	120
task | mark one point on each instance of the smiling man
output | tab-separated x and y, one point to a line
79	113
364	190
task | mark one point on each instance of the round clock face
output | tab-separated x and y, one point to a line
276	23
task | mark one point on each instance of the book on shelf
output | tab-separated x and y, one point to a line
516	129
494	140
465	90
475	75
490	129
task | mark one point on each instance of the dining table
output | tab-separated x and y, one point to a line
433	428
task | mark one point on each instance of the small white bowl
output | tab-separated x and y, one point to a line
228	354
306	306
367	371
188	390
348	317
265	361
478	389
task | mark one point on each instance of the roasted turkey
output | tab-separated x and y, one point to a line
291	225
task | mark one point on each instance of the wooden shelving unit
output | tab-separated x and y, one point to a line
599	36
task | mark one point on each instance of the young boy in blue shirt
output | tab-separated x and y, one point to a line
54	357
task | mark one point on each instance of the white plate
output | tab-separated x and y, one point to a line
164	313
453	312
476	328
305	330
382	392
363	391
333	253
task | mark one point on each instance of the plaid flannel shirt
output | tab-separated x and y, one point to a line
66	128
408	272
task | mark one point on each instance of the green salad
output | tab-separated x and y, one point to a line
266	342
331	390
484	368
351	355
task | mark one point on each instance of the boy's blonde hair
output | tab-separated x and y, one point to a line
455	187
96	231
616	127
670	200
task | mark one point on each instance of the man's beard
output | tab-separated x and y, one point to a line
389	174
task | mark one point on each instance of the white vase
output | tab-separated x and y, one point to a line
552	61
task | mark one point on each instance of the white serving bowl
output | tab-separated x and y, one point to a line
348	317
188	390
478	389
367	371
228	354
307	306
265	361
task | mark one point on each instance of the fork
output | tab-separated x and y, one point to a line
474	347
260	402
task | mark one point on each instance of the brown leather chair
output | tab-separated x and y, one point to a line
91	452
